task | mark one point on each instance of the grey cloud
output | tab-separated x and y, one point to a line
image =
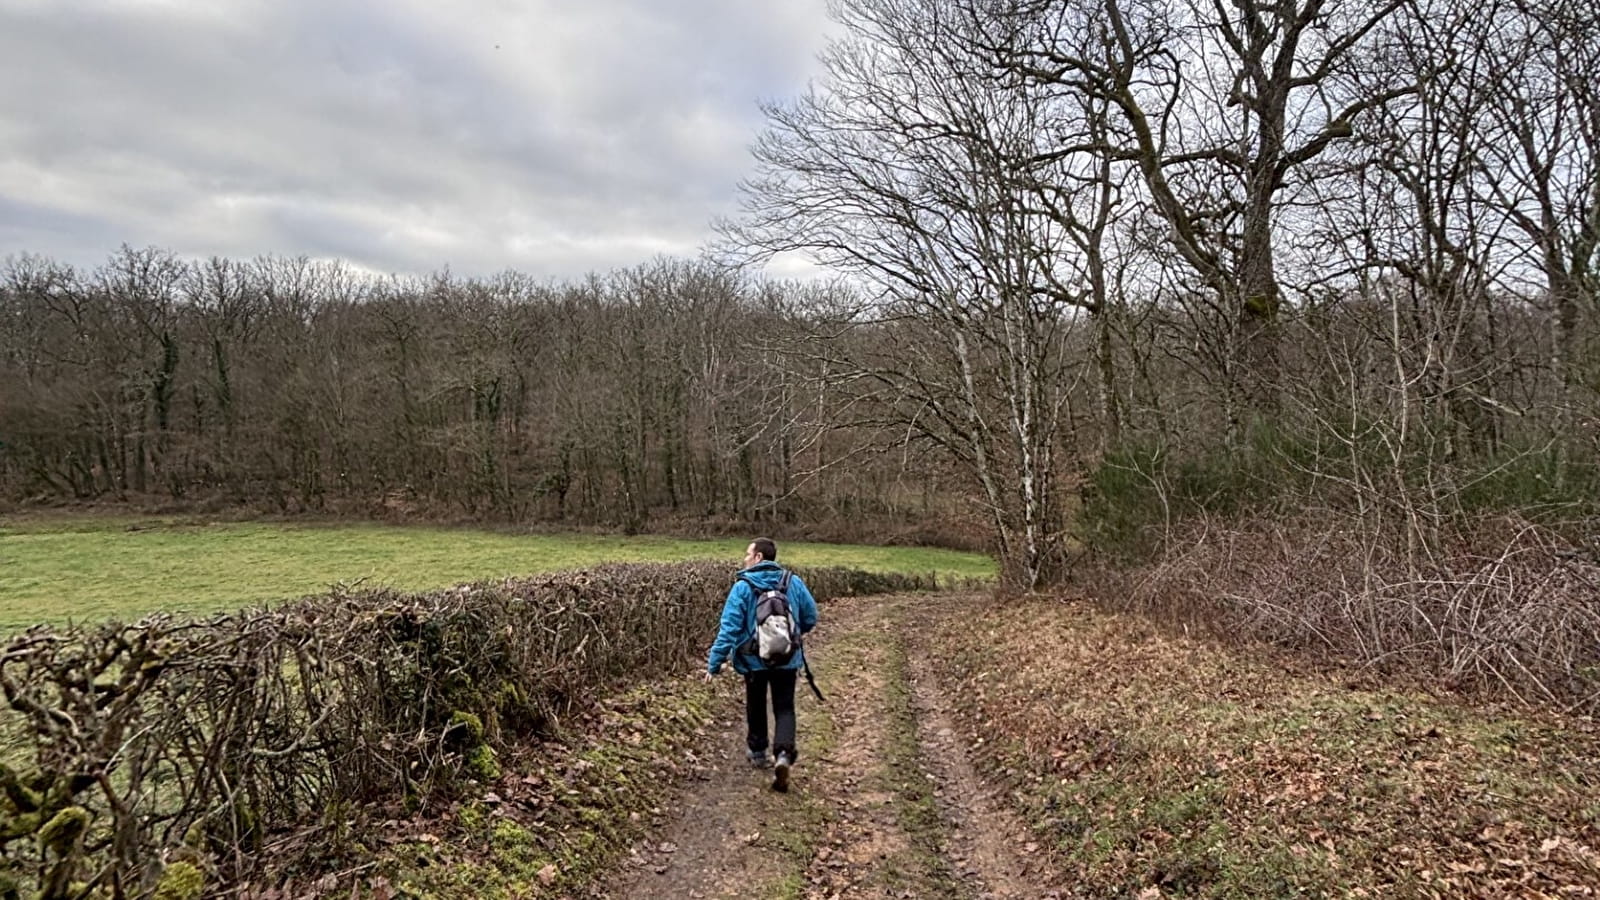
547	136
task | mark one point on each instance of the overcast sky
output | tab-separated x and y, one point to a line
555	137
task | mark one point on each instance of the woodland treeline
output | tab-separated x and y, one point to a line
1108	266
292	385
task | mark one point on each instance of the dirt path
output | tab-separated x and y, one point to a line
884	802
990	846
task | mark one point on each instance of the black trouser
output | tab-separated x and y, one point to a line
755	710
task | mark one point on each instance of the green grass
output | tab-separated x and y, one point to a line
70	567
927	866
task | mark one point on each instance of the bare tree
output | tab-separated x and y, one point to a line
1221	107
928	175
1540	164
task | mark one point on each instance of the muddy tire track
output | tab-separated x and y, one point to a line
884	802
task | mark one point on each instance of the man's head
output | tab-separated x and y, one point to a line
760	550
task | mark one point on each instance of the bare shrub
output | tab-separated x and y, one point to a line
1502	604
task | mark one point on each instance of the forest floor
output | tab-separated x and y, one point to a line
1036	748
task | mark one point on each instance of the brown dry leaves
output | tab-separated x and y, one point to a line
1158	763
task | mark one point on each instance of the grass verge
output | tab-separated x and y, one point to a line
1152	761
564	813
918	812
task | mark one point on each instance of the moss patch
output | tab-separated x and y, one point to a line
483	763
180	881
466	727
64	829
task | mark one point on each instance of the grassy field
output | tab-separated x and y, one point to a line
57	568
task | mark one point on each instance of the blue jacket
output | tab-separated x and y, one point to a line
739	617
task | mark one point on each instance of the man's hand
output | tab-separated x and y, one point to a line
711	675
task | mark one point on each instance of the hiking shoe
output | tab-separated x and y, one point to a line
758	758
780	774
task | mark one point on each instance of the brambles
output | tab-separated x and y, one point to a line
1503	605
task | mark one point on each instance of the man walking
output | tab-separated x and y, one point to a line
737	639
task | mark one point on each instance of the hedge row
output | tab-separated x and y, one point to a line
149	759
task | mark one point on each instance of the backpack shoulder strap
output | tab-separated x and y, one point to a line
747	645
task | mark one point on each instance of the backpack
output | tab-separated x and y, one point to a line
777	636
